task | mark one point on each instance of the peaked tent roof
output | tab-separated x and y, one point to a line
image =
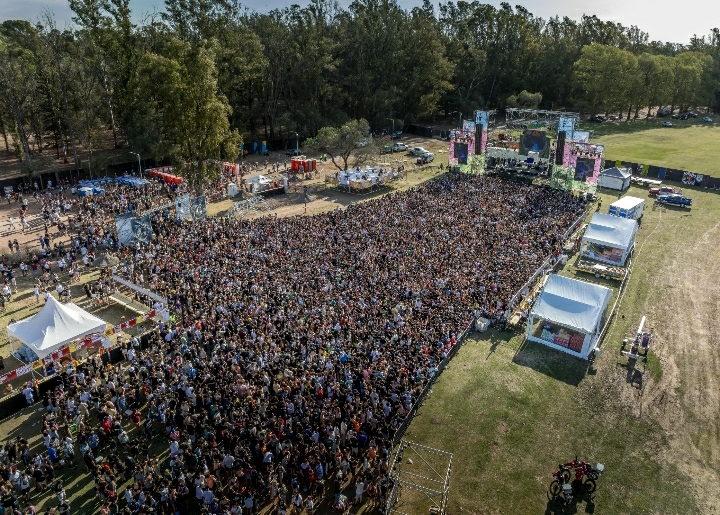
54	326
613	231
575	304
621	173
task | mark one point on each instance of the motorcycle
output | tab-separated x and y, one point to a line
560	485
583	469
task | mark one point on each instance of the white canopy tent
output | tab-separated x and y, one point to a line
609	239
53	327
569	315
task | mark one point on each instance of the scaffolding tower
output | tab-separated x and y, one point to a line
247	207
420	477
516	118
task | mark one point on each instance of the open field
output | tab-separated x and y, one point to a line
511	411
686	146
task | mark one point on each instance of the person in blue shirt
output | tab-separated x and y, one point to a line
53	455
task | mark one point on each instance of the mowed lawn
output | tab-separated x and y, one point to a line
511	411
686	146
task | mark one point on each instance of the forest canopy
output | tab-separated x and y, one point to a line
189	83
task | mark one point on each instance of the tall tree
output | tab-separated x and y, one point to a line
180	88
341	144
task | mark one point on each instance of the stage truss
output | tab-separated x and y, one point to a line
516	118
420	478
247	207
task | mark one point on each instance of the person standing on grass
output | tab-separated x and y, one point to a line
36	292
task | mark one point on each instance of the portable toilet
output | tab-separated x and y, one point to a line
232	189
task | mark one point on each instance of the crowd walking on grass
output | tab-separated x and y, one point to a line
296	349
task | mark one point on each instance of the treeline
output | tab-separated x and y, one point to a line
187	83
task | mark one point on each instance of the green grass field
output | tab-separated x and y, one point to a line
511	411
686	146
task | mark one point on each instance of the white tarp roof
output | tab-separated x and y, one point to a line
611	231
575	304
55	326
620	173
627	202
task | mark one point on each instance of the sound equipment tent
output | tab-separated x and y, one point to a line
569	315
52	328
609	239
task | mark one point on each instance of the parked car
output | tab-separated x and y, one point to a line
664	190
293	152
663	112
675	200
425	157
399	147
707	119
692	114
597	119
364	142
418	151
667	124
397	134
676	116
387	149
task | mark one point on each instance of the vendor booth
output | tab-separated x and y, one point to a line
609	239
568	315
615	179
55	326
266	186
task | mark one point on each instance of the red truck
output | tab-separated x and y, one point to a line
664	190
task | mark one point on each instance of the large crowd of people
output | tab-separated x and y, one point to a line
296	348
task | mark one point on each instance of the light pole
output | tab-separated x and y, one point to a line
392	134
458	112
393	127
139	165
297	144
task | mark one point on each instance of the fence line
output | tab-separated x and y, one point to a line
546	264
621	291
421	398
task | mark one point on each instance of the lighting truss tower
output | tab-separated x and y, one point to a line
420	478
535	118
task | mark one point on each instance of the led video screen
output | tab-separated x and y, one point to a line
534	141
584	168
461	153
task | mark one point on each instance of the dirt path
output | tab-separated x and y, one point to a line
681	304
686	400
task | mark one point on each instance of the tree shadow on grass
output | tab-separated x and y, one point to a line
547	361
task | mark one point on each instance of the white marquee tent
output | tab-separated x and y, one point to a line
609	239
53	327
569	315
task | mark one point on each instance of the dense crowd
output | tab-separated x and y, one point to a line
297	348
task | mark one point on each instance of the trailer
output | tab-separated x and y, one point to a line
628	207
640	345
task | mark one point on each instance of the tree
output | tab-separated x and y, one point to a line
525	99
182	106
18	83
604	77
687	70
350	139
